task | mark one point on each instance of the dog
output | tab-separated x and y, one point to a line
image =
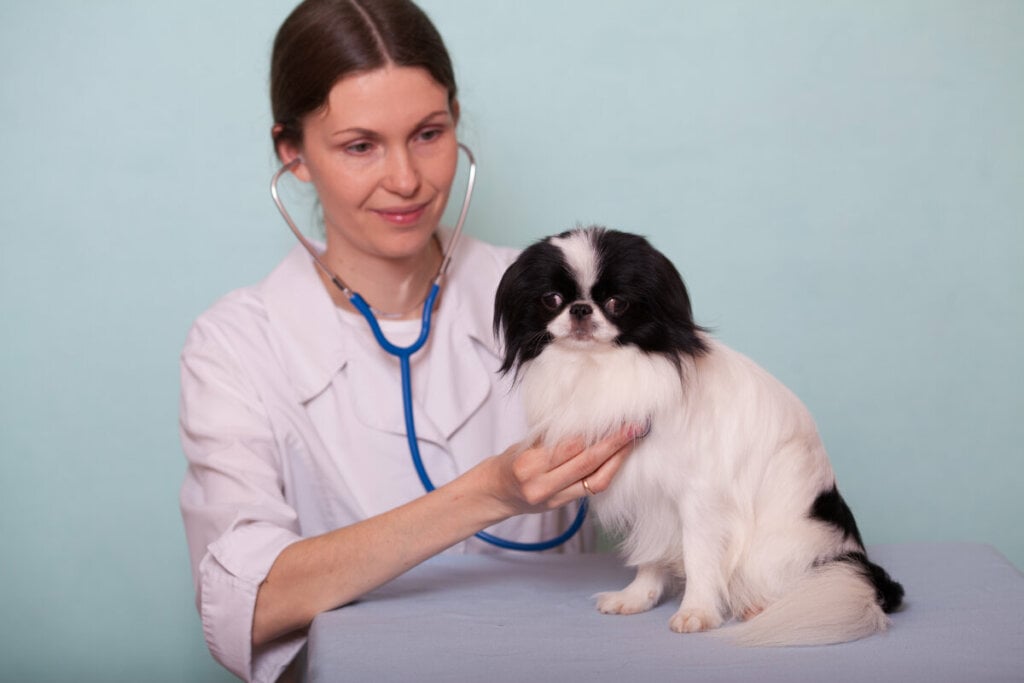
730	493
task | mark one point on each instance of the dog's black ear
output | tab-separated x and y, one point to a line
516	326
663	322
520	322
505	312
684	334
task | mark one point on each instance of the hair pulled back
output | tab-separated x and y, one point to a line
323	41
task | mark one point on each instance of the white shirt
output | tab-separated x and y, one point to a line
292	425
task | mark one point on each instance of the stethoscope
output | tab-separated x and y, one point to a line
404	353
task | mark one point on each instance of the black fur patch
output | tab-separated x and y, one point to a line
659	318
830	508
888	593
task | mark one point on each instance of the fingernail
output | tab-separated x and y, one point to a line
640	430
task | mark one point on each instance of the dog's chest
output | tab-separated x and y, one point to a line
653	468
573	393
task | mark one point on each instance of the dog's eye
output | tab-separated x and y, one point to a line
552	301
615	306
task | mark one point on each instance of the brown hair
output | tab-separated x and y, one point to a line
322	41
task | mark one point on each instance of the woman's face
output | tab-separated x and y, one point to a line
382	155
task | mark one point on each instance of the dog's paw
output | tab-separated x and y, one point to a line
625	602
694	621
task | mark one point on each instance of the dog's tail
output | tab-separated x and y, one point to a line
836	602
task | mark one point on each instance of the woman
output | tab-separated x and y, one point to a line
299	495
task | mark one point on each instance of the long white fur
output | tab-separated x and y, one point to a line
719	491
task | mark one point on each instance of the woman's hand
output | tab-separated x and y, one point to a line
536	478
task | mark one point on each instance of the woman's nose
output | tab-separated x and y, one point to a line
402	177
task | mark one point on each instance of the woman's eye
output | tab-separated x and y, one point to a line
615	306
430	134
552	301
359	148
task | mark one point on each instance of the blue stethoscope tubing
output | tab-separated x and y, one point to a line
405	353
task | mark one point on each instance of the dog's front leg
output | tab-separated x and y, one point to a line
703	548
641	595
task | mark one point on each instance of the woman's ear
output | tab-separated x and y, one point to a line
455	111
288	151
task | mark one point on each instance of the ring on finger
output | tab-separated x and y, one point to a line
586	487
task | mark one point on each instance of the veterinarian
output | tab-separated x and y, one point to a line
300	495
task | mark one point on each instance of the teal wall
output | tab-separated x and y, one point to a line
842	185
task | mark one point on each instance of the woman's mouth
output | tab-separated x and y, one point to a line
403	215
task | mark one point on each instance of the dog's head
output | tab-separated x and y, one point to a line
593	287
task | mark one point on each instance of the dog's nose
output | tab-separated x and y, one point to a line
580	310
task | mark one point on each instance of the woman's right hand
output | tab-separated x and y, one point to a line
538	478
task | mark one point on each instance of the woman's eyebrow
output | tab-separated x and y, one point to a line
434	114
361	132
367	133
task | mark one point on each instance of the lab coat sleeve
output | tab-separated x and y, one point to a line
236	517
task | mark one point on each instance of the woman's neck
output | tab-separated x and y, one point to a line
393	289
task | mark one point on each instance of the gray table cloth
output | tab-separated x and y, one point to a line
532	618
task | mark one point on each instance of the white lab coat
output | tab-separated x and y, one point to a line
292	425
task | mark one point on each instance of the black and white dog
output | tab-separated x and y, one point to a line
731	490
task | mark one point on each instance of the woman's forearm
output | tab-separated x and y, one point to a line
320	573
323	572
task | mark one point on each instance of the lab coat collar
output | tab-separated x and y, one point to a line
314	344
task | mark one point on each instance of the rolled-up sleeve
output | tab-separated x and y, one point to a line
237	520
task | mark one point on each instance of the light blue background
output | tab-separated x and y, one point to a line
842	185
